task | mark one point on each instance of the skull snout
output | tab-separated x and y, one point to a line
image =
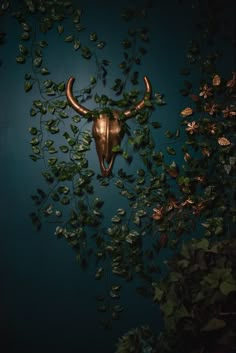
107	133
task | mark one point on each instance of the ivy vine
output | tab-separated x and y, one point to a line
164	201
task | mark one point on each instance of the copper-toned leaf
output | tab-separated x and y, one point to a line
187	202
192	128
194	97
186	112
216	81
206	91
158	213
173	172
206	152
231	83
187	157
223	141
200	178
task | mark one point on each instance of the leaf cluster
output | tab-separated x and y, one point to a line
197	297
166	201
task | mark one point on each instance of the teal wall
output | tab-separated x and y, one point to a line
46	303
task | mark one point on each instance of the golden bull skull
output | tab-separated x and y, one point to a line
107	130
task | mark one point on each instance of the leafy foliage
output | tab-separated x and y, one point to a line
136	341
197	297
165	201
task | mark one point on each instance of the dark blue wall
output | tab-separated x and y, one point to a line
46	303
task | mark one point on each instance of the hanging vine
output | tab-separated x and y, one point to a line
197	296
162	202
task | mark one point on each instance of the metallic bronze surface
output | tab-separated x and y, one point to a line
107	130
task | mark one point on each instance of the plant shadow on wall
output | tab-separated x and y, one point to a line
164	202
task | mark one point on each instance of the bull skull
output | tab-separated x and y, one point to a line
107	130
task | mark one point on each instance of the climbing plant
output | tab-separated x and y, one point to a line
70	200
162	202
197	296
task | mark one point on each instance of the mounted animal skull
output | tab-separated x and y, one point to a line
107	130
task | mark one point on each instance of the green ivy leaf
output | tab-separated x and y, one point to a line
52	150
27	86
119	183
50	91
34	158
158	293
116	219
44	71
35	149
136	220
141	213
147	103
33	112
93	36
65	200
198	297
25	36
98	203
61	87
101	44
34	141
63	190
47	83
116	149
20	59
37	62
156	124
76	118
74	129
168	307
23	50
27	77
64	148
51	108
69	39
60	29
141	172
169	134
60	104
33	130
228	287
25	26
77	44
55	196
52	161
202	244
48	143
63	114
170	150
38	52
181	312
37	103
121	212
70	140
183	263
126	156
86	53
43	43
214	324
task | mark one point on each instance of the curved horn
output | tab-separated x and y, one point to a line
129	113
74	103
